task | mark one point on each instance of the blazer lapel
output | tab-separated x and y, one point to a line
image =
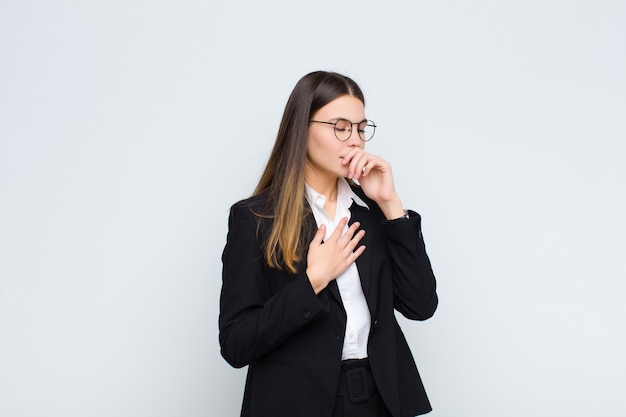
363	263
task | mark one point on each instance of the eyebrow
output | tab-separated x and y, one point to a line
345	118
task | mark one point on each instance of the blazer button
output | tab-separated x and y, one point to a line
376	324
307	315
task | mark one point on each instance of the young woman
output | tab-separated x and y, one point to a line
314	266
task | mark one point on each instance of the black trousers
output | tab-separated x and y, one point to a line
357	395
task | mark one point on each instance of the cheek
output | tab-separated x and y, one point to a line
320	146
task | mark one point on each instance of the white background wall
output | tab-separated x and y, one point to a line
128	128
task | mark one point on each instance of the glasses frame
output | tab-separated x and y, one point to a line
368	122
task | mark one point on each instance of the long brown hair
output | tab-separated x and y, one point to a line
283	178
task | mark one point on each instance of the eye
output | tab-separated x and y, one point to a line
342	125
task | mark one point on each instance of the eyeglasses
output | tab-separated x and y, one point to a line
343	129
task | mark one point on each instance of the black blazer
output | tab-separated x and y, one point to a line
292	338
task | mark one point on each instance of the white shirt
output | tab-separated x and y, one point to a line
358	314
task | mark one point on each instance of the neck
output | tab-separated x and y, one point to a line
325	186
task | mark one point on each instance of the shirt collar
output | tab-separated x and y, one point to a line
344	195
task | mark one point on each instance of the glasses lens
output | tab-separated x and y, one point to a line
342	129
366	130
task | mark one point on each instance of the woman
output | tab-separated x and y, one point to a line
314	266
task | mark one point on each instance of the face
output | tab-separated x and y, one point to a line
324	150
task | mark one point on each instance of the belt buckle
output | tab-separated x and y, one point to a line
354	378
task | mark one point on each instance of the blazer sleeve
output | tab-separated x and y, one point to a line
254	319
414	285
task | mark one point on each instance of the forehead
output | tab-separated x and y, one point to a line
343	107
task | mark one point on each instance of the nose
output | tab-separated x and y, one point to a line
355	140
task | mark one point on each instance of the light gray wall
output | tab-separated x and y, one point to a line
128	128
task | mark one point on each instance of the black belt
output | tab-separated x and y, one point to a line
356	380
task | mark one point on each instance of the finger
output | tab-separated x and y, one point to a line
337	233
356	165
357	253
365	165
355	240
351	153
351	158
369	166
348	236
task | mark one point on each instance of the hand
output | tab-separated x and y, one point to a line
376	179
327	260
